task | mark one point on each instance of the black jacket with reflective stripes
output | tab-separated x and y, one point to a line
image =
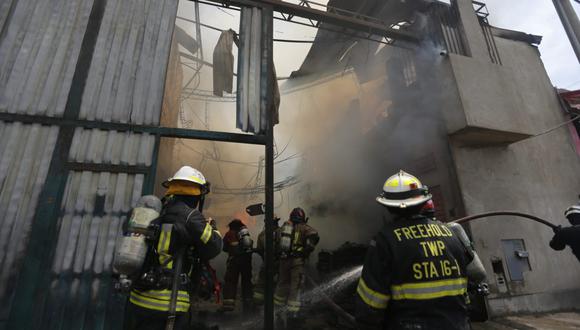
414	276
180	227
190	229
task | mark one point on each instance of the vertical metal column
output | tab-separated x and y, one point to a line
266	105
149	184
570	22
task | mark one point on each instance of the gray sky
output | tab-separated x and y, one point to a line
539	17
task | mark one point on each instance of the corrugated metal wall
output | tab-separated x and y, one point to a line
41	44
80	295
25	151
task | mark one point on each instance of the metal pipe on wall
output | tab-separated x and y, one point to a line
570	22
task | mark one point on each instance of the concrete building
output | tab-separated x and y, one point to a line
466	112
500	164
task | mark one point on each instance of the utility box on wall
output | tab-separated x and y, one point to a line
516	258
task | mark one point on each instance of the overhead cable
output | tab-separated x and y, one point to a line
552	129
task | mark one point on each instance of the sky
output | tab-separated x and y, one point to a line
539	17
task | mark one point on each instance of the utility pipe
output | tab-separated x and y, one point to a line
570	23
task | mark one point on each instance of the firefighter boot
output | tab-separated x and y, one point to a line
294	321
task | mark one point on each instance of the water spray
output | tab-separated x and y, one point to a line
319	292
512	213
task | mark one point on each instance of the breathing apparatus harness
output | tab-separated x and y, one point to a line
158	277
287	234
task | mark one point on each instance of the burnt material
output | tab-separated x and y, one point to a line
347	255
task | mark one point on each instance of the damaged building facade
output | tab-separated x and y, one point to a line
466	111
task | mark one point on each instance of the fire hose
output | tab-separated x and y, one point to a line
335	308
512	213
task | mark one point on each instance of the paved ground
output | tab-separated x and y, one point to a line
556	321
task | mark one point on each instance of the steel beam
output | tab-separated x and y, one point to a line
337	19
112	168
266	103
169	132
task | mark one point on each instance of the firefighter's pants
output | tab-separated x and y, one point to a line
260	285
290	284
238	266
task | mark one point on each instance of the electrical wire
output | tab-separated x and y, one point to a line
551	129
278	186
251	164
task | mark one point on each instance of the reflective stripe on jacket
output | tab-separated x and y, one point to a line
303	232
159	300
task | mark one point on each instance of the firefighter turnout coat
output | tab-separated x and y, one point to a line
260	285
238	266
291	267
414	277
181	227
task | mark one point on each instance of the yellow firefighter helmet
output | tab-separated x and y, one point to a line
403	190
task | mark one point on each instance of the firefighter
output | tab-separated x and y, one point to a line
239	246
569	235
414	274
296	240
259	287
183	233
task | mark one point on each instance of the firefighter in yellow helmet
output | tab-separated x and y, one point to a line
414	274
161	292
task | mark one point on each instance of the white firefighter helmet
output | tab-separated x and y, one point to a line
403	190
187	173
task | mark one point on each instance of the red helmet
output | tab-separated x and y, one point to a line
428	208
298	215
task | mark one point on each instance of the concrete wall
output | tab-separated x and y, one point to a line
487	110
539	175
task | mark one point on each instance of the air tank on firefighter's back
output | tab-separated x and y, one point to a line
246	242
286	233
132	246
